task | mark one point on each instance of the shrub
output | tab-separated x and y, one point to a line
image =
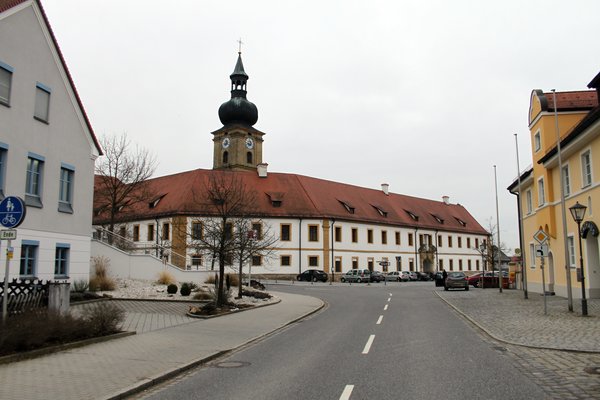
101	279
212	279
165	278
172	288
185	289
204	295
80	286
193	286
103	318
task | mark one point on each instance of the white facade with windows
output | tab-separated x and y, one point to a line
41	117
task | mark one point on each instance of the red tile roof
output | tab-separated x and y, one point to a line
8	4
302	197
575	100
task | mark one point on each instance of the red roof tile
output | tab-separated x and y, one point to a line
305	197
575	100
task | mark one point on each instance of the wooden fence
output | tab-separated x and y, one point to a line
24	295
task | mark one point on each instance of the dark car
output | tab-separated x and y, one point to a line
423	276
456	280
376	276
312	275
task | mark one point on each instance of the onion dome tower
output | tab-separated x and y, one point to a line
237	145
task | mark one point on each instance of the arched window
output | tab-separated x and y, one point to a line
249	157
225	157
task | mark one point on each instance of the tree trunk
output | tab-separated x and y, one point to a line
240	280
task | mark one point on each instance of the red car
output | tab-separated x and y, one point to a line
490	280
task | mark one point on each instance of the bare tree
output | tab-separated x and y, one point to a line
122	176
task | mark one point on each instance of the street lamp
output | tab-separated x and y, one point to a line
578	212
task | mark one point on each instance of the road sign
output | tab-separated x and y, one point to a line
541	250
540	236
12	212
8	234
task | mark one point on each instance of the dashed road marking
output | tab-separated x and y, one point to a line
389	298
380	319
368	345
347	392
385	308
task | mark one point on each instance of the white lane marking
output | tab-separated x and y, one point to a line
347	392
368	345
385	308
380	319
389	298
390	295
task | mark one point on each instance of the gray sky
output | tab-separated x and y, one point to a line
425	95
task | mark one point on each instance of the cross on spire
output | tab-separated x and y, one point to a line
240	45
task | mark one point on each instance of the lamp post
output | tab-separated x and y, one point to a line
578	212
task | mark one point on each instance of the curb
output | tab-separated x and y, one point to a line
171	373
232	311
502	340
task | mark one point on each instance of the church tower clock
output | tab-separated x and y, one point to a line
237	145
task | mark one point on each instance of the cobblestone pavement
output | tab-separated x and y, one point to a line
560	351
147	316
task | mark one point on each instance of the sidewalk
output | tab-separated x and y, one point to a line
114	368
508	317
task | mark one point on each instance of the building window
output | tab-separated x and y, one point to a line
150	236
3	155
65	197
537	141
42	102
338	233
249	158
370	263
385	263
313	233
531	255
469	265
61	260
369	235
228	231
29	249
541	192
6	72
197	230
460	265
440	241
136	233
383	237
33	181
354	262
122	231
477	265
586	168
468	243
476	243
459	242
285	232
451	262
313	261
397	235
257	231
256	261
354	235
528	202
338	264
197	260
441	264
449	241
165	231
571	244
225	157
410	239
285	261
566	181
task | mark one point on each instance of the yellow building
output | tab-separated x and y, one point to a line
577	116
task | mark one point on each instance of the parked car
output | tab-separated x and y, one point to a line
405	276
456	279
474	280
423	276
392	276
356	275
412	275
312	275
376	276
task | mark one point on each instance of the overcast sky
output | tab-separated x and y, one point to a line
424	95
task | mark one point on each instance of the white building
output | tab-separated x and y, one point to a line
47	148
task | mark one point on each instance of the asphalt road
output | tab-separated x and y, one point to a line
398	341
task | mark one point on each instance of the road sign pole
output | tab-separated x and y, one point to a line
544	286
5	294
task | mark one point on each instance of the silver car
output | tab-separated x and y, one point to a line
356	275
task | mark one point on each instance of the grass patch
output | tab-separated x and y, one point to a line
101	279
165	278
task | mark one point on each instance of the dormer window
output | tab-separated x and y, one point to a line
460	221
347	206
154	202
412	215
438	219
276	198
381	211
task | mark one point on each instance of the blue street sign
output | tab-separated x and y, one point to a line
12	212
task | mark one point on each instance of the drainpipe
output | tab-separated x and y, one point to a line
437	267
156	234
332	251
300	246
416	251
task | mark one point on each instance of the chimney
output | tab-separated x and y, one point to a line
262	170
385	187
446	200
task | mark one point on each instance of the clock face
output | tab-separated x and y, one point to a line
249	143
226	143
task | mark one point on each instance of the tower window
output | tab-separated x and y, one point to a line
249	157
225	157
